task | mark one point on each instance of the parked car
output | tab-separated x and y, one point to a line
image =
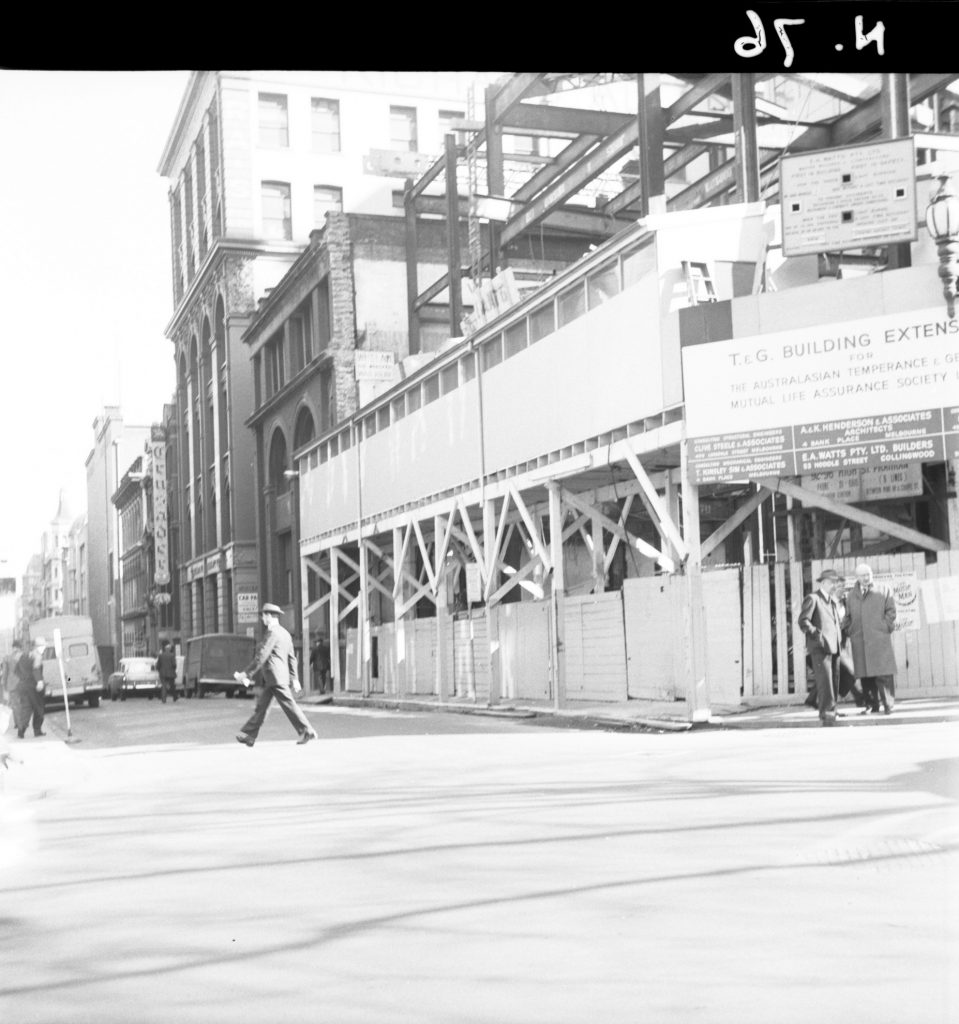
134	675
211	661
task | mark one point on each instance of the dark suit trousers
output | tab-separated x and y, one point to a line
879	689
825	667
28	704
284	697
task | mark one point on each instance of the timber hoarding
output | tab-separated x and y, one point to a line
861	394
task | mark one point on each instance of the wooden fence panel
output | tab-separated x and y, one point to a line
595	646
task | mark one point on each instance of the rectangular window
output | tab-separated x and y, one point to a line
285	552
369	426
431	389
572	303
274	123
492	352
275	371
326	126
383	417
516	339
637	264
467	368
295	330
541	322
398	408
403	128
449	379
413	399
326	199
603	285
277	214
446	117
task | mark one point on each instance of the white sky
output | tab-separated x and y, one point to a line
85	289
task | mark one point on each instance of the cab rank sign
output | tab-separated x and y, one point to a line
861	394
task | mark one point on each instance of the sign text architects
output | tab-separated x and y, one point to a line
858	395
161	530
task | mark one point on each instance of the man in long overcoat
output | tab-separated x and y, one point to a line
870	622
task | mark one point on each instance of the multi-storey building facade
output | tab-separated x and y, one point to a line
76	599
115	445
148	609
54	547
255	161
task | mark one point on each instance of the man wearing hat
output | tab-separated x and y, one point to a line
30	688
819	619
871	621
275	660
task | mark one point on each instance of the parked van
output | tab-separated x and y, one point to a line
211	661
81	664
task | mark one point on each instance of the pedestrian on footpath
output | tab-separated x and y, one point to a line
8	674
870	622
30	688
166	670
819	619
275	661
847	684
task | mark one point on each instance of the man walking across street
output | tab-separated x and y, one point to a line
275	660
30	688
870	622
819	620
166	670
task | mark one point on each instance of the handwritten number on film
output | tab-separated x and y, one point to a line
752	46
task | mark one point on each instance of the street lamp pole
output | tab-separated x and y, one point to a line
942	222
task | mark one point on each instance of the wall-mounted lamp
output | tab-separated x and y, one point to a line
942	221
291	474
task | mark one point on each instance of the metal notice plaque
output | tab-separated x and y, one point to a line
848	198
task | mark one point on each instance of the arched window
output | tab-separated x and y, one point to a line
305	430
278	463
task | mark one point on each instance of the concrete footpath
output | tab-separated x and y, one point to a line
662	716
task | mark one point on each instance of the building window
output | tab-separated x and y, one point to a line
403	128
284	543
446	119
274	123
326	126
572	303
326	199
275	370
300	329
277	215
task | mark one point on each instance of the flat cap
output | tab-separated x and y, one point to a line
272	609
828	574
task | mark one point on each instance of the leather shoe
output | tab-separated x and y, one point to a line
39	734
245	739
306	737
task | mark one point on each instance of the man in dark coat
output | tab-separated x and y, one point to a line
275	660
870	622
819	620
30	688
166	670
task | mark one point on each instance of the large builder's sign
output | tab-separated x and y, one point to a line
857	395
848	198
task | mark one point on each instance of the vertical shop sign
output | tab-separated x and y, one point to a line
161	535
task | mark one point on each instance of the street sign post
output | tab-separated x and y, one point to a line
58	648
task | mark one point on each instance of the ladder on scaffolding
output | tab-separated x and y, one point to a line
472	171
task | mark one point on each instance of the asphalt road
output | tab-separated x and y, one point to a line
443	868
215	719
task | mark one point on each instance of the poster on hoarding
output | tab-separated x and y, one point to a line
905	589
